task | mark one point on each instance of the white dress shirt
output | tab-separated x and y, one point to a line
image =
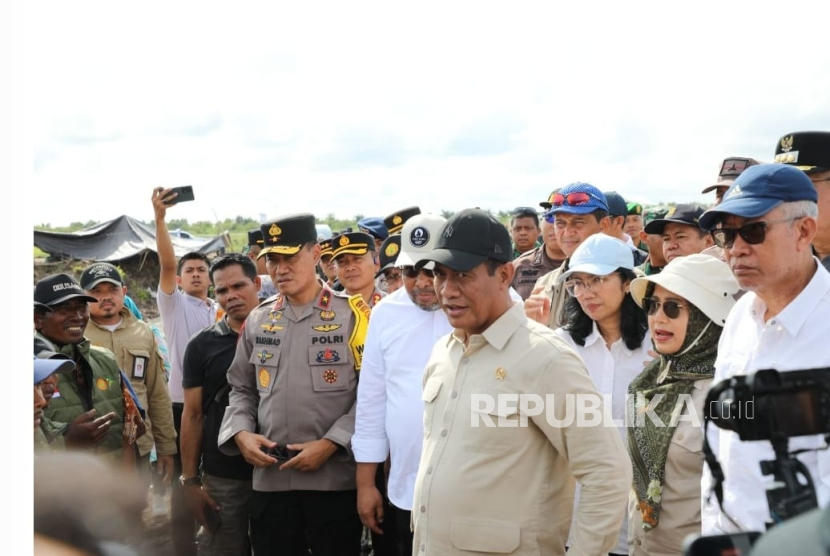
795	339
612	370
390	412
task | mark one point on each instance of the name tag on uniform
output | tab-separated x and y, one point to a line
139	366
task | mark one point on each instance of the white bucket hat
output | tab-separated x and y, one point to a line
599	255
418	238
704	281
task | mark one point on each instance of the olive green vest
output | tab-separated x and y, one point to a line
104	386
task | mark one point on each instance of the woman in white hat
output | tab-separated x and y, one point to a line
687	304
605	326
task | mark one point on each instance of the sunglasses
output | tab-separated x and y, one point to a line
410	272
670	308
753	234
576	199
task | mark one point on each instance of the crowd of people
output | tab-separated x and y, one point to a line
427	385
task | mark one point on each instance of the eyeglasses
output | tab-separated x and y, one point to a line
390	279
577	287
574	199
753	233
670	308
410	272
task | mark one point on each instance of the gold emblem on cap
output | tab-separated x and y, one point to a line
397	220
501	373
264	377
787	143
274	230
343	241
391	250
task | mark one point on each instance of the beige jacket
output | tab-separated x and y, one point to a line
557	293
510	488
680	506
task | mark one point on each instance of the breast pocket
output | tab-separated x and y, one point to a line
428	396
136	361
331	368
491	430
265	362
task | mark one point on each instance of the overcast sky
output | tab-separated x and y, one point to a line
352	108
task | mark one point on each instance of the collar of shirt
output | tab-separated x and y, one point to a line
595	336
497	334
798	311
209	303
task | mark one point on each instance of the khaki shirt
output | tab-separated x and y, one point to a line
293	380
137	353
680	505
557	293
510	490
529	267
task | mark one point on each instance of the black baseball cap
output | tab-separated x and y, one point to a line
286	235
683	213
616	204
100	272
56	288
806	150
468	239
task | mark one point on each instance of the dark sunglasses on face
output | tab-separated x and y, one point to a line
753	233
410	272
670	308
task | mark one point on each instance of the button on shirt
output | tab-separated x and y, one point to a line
389	407
794	339
182	316
612	370
509	488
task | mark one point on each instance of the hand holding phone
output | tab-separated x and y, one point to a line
183	194
280	453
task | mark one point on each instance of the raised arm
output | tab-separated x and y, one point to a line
164	245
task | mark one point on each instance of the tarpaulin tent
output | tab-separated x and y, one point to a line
117	240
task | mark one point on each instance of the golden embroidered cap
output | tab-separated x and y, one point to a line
352	243
806	150
286	235
395	221
389	251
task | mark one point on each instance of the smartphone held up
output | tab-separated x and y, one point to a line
180	195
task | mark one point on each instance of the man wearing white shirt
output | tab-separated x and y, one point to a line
402	331
765	225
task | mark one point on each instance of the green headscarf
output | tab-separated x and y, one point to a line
672	376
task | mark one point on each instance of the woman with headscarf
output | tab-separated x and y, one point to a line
687	304
605	327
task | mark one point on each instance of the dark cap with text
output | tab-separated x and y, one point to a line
100	272
287	235
468	239
56	288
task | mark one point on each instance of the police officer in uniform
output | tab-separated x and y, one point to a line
395	221
291	409
357	264
810	151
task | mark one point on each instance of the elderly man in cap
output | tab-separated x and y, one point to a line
357	264
578	211
506	487
374	226
730	169
539	261
95	387
291	407
389	422
810	151
389	276
114	327
681	232
765	225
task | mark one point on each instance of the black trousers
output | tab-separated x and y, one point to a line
290	523
403	530
182	522
387	543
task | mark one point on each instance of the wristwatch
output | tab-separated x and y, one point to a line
191	481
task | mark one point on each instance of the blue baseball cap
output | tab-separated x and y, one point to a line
373	226
758	190
596	200
48	363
